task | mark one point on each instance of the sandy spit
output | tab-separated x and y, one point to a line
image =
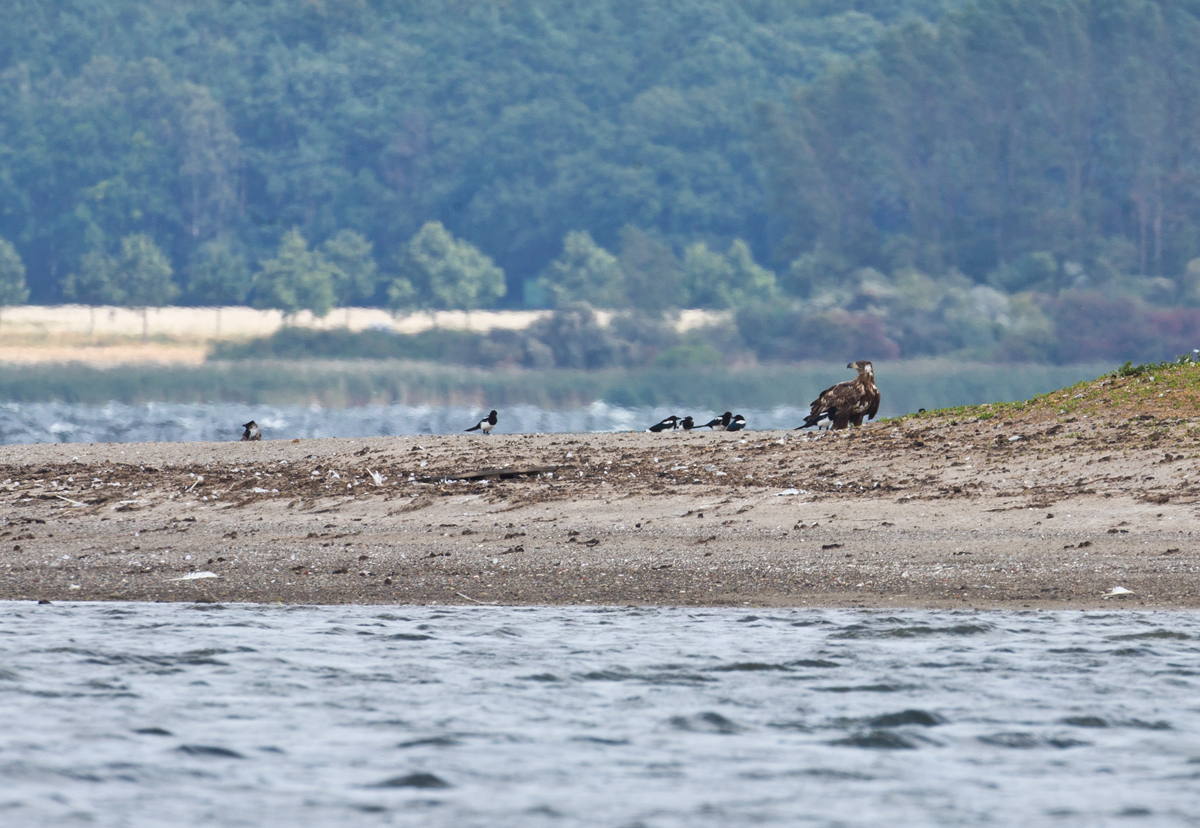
912	514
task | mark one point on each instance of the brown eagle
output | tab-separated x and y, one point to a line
847	402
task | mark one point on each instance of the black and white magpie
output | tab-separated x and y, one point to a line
687	424
670	423
486	424
822	419
719	423
251	432
737	423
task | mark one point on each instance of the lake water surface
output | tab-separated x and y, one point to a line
168	714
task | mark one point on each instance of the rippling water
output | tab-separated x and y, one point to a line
150	715
23	423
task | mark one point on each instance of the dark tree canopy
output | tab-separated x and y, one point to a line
512	124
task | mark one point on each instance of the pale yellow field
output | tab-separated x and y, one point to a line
112	335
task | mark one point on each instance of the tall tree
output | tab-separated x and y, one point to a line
219	277
144	274
584	272
652	275
94	281
13	290
713	280
450	273
295	279
355	274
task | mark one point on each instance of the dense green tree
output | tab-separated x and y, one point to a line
1007	134
144	276
295	279
355	274
653	281
713	280
93	282
13	290
219	276
190	120
450	273
584	272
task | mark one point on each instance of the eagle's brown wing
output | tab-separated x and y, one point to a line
851	400
833	397
873	409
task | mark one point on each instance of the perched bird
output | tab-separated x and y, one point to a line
824	420
486	424
719	423
670	423
251	432
847	402
687	424
737	423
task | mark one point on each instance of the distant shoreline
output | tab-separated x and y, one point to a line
907	385
928	512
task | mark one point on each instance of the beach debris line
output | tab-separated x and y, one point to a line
485	474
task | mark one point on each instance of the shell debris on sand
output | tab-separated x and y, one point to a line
195	576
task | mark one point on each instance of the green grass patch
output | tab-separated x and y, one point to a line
1158	389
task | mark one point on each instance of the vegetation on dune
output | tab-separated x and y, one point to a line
1159	390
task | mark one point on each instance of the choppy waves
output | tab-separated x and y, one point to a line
149	715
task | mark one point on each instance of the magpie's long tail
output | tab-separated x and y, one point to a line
815	418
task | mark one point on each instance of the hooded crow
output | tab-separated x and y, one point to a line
719	423
251	432
737	423
486	424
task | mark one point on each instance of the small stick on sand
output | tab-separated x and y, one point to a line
469	598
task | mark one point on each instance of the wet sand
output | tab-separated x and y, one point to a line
920	513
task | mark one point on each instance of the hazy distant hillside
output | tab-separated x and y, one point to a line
512	123
996	179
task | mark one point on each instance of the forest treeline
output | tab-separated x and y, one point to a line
1009	179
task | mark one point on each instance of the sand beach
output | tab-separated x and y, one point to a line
1047	505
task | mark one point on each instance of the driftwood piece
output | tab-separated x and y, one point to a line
487	474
